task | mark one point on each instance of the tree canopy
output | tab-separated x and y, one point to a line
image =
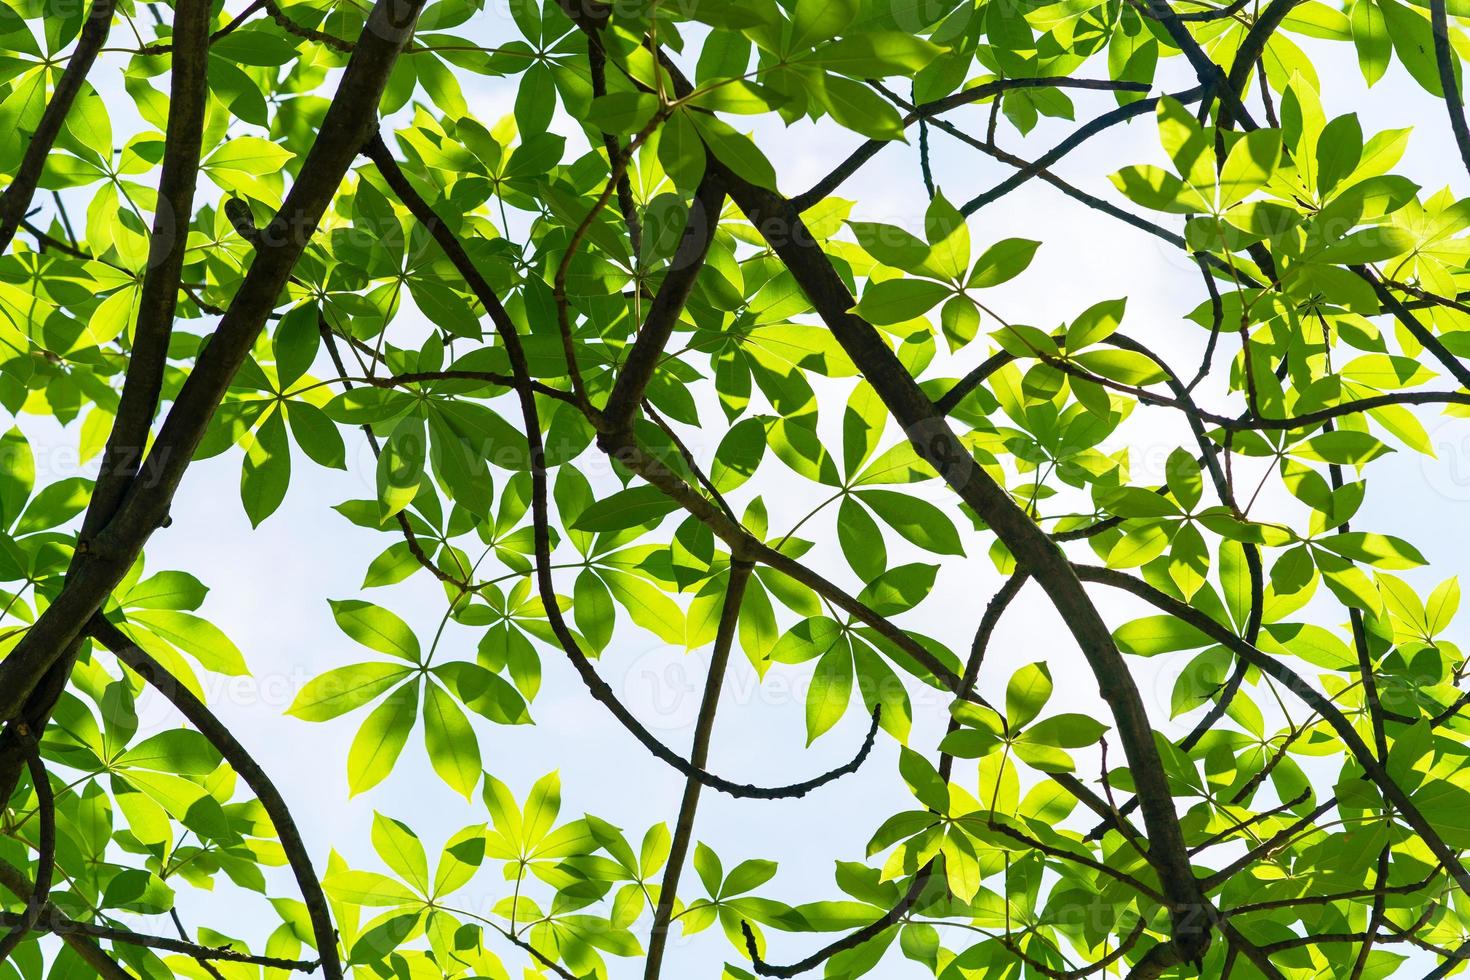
587	343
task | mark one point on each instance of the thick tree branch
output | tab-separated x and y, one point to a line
1449	80
784	230
348	122
1309	695
157	300
668	303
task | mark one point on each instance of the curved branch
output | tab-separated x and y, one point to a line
220	736
537	955
1033	549
86	949
927	110
1079	136
673	293
597	68
990	149
852	940
505	327
164	47
147	362
273	8
963	387
40	895
1122	949
1422	334
1309	695
743	543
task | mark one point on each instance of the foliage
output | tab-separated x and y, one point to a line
501	313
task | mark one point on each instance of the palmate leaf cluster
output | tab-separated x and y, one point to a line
596	348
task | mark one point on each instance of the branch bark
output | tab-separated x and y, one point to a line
699	755
198	714
348	122
16	200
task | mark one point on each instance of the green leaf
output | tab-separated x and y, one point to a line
1096	324
484	692
166	590
707	866
814	21
1126	366
648	607
197	637
861	539
367	888
875	54
1443	602
1379	550
344	689
681	151
899	589
748	876
1027	693
1068	731
1002	262
735	150
896	300
1370	37
1344	447
1447	808
55	504
1153	635
830	691
622	112
360	406
248	155
1158	190
592	606
401	850
1249	165
543	803
856	107
179	751
296	342
17	469
267	469
1312	643
375	628
634	507
401	466
891	245
920	522
461	858
379	741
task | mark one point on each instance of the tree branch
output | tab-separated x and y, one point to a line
198	714
698	757
16	201
40	895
